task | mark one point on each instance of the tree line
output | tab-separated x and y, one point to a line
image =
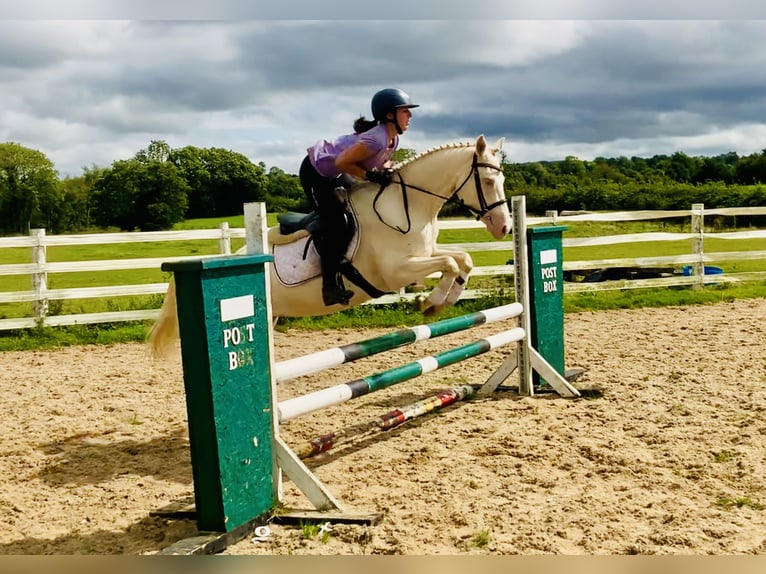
666	182
153	190
161	186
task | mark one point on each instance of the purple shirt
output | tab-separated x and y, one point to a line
323	153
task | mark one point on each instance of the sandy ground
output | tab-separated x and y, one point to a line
671	459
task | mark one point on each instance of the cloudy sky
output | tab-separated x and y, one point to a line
93	91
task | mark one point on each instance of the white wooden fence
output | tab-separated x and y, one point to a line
38	268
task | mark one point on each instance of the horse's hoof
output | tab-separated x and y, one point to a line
415	288
433	310
420	303
429	309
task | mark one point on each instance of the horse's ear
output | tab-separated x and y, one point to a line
481	144
499	145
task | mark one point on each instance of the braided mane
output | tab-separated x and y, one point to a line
421	155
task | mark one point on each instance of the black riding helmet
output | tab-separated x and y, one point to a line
388	100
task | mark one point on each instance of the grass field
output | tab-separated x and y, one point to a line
627	298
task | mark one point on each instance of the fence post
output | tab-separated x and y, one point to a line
553	214
224	243
40	276
698	243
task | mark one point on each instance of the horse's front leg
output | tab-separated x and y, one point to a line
465	265
417	268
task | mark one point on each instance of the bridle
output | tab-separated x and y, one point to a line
480	212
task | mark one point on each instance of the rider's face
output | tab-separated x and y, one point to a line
403	116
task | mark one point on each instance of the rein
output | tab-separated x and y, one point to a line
482	210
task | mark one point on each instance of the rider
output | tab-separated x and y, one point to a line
364	155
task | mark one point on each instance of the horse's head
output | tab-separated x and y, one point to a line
481	190
488	200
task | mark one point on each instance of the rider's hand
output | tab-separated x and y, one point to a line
382	177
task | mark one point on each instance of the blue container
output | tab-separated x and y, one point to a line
689	269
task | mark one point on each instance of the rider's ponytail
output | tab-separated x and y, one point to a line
361	124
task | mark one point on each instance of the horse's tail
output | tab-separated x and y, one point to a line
164	332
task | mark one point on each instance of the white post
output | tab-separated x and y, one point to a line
256	228
521	278
553	214
698	243
224	243
256	236
39	277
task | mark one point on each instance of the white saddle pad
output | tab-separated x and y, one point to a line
294	263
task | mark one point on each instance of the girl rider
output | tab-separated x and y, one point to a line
363	155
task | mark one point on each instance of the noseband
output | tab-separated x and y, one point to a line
483	207
480	212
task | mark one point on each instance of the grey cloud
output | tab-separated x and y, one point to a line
623	81
274	87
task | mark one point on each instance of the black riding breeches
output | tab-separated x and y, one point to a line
320	191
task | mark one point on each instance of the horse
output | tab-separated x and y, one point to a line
394	242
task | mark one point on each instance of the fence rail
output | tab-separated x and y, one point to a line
39	268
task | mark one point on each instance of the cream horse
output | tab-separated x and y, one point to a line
395	240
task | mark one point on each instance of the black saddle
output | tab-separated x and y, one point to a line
292	221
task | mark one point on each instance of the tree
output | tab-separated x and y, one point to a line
220	180
403	154
572	166
603	171
752	169
714	169
284	192
137	194
682	167
157	150
537	174
74	210
74	213
29	194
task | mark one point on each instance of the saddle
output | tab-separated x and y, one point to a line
297	262
292	221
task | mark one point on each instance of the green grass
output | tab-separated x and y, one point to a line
739	503
621	250
662	297
723	456
481	538
52	337
215	222
73	280
661	248
390	316
312	530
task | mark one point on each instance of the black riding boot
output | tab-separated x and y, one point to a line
333	290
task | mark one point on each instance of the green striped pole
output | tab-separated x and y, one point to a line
322	360
295	407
